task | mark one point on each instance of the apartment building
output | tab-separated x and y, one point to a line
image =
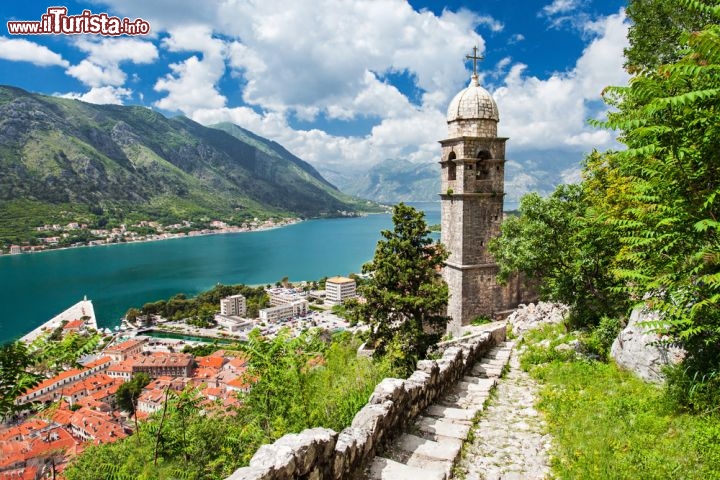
339	289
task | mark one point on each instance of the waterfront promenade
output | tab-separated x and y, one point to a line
84	308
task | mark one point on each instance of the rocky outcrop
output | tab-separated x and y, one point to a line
527	317
642	351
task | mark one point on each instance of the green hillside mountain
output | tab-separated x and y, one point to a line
397	181
64	160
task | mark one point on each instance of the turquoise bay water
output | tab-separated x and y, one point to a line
36	287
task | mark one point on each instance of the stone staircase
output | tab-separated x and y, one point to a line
429	447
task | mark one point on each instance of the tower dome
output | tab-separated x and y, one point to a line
473	112
473	103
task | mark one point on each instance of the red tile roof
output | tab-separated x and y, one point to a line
75	324
124	346
98	362
51	381
210	361
162	359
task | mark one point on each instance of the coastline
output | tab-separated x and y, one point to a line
115	286
163	238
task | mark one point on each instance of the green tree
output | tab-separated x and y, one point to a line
128	393
670	255
562	244
132	314
406	298
14	377
656	31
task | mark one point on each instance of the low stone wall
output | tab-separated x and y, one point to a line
322	453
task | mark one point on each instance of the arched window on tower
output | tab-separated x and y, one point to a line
481	168
451	166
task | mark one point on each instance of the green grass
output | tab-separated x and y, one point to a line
608	424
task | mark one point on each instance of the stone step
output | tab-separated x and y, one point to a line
424	463
422	447
484	370
489	383
434	428
450	413
463	386
386	469
501	352
465	400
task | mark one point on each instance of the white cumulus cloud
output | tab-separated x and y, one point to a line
101	70
561	6
100	95
21	50
553	112
193	82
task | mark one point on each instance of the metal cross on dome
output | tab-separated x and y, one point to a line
475	57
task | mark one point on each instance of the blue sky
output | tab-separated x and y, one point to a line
346	84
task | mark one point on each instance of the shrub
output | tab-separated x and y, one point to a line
602	336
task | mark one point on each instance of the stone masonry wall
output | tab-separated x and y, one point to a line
322	453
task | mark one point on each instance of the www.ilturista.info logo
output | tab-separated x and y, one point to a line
57	21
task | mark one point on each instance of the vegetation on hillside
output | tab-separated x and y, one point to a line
607	423
64	160
201	309
643	225
297	383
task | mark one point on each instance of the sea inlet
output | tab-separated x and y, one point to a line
36	287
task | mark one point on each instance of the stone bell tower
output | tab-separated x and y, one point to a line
472	192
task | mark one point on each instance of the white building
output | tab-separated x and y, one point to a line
283	296
233	306
339	289
298	308
233	324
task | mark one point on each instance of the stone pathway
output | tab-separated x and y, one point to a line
430	447
509	443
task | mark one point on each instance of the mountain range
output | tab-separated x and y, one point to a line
66	160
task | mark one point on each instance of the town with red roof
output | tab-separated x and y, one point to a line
82	407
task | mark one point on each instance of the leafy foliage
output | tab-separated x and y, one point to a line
201	308
15	360
406	298
128	393
50	356
297	383
670	248
563	244
658	25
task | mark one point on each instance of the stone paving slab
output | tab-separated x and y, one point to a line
444	466
436	427
488	371
386	469
466	400
462	387
450	413
418	446
490	382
